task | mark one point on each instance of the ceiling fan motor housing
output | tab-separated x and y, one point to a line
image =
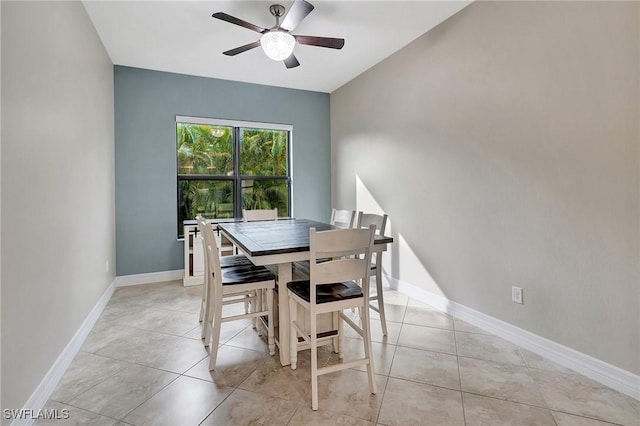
277	10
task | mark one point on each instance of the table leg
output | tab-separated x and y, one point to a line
284	276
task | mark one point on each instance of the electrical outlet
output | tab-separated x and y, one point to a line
516	294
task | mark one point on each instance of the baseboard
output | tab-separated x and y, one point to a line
152	277
600	371
39	397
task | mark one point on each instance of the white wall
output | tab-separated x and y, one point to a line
57	185
504	146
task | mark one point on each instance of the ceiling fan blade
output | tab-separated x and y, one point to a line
232	19
297	12
291	61
333	43
241	49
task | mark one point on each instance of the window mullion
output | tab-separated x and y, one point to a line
237	182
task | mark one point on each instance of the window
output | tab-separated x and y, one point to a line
225	166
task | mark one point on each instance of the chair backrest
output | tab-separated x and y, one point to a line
349	251
343	218
212	272
367	219
259	214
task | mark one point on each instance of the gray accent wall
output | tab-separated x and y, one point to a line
57	163
146	104
504	145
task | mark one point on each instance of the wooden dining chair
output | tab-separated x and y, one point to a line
225	262
343	218
365	220
254	216
229	286
259	214
335	284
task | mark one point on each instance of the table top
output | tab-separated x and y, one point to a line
262	238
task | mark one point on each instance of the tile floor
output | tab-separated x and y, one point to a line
144	364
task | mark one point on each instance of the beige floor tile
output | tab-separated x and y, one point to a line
162	321
116	309
195	333
499	380
305	416
394	297
347	392
228	330
634	403
480	411
410	403
66	415
248	408
426	367
104	334
533	360
427	338
490	348
110	377
186	401
171	353
272	379
460	325
176	303
177	356
154	294
576	394
392	312
137	293
564	419
354	349
233	366
248	338
121	393
393	332
428	317
418	304
174	297
86	371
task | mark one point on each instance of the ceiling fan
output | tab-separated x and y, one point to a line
277	41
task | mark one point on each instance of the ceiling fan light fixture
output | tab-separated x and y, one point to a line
277	45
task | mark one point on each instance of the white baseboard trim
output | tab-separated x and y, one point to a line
600	371
152	277
39	397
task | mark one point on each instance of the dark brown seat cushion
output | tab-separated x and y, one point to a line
245	274
235	260
326	292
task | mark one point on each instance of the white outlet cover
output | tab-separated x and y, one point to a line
516	294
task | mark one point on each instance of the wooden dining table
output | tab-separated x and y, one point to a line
280	243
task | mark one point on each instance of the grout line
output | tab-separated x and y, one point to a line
507	400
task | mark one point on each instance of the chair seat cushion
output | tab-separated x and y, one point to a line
234	260
326	292
246	274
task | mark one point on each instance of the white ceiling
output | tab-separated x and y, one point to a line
182	37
